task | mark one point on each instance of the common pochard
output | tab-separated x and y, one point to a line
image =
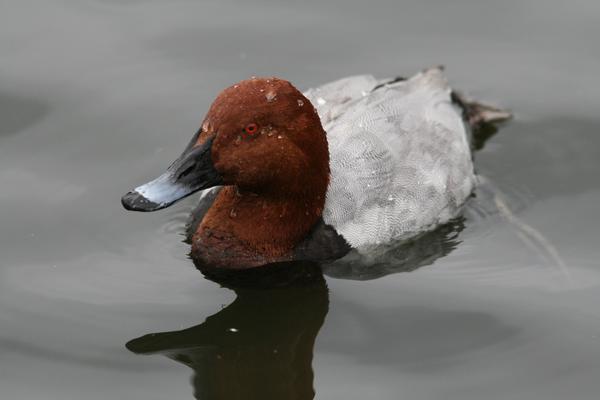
354	164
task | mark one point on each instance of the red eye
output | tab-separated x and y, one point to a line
251	129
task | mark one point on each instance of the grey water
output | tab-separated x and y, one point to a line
97	97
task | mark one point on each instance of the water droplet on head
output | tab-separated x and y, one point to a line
233	213
271	96
300	103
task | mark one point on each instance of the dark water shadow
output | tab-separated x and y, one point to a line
404	256
17	113
482	135
258	347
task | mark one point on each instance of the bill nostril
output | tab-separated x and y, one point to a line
186	172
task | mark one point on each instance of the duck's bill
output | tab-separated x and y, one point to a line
191	172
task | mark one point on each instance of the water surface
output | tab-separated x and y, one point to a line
97	97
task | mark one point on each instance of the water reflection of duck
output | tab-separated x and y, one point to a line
372	162
258	347
405	256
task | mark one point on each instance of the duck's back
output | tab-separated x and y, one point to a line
399	155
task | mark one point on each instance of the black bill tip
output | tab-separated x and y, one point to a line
133	201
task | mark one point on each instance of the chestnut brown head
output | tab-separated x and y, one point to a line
261	135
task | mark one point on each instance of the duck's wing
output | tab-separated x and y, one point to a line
399	156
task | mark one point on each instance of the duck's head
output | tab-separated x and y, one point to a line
260	135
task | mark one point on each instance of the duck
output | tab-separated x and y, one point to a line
348	166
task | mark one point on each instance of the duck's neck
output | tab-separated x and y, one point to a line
245	229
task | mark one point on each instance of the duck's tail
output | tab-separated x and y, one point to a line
482	118
477	113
